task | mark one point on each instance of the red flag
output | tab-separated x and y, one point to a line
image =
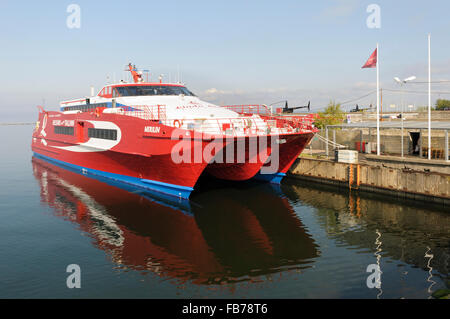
372	62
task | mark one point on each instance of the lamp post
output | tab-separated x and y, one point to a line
402	83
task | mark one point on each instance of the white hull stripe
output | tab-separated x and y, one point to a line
96	144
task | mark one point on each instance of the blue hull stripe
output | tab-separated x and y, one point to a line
164	188
271	178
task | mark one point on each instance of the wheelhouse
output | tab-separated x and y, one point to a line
150	90
141	89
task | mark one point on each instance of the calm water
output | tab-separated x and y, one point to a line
231	240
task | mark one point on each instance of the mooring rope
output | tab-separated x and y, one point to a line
333	144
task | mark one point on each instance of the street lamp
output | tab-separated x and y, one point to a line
402	83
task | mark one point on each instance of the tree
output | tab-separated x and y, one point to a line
442	104
332	115
423	108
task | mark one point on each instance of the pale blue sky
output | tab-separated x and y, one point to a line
227	51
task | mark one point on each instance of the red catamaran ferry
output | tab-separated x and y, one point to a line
161	137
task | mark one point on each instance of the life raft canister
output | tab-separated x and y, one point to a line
98	111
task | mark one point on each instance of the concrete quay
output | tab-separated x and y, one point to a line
388	176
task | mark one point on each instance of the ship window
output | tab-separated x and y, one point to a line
152	90
65	130
102	133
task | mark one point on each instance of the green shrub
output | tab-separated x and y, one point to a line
332	115
442	104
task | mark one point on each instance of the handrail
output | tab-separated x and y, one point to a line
241	125
249	109
333	144
146	112
223	126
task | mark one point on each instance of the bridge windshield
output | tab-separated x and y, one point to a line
151	90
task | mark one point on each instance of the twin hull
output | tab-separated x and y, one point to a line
150	155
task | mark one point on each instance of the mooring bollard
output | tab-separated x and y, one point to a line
350	176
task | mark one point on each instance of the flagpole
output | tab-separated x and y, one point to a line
378	102
429	96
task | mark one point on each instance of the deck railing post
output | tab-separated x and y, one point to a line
361	142
421	143
334	139
446	145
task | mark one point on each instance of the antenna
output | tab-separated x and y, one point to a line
146	74
135	73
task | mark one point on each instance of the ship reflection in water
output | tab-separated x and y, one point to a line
220	236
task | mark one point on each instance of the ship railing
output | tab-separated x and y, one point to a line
250	109
303	123
238	126
249	124
220	126
145	112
